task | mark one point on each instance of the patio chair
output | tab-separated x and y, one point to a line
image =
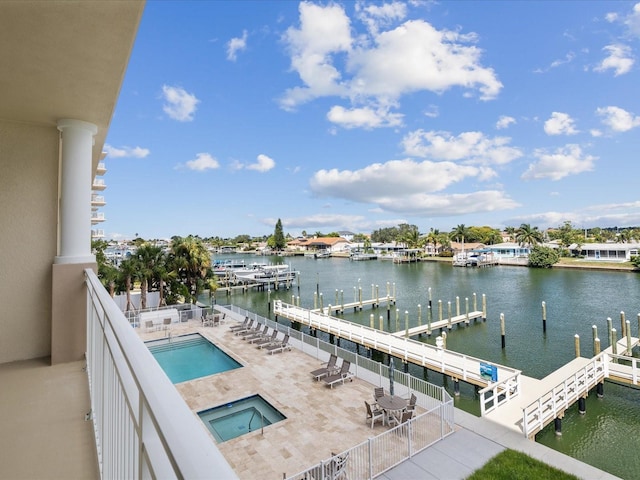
279	347
336	469
377	393
405	417
216	321
374	413
341	376
206	321
411	407
265	342
257	336
243	325
149	326
328	369
166	323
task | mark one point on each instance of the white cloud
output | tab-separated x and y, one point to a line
415	57
375	70
262	164
565	161
324	31
395	178
377	16
504	122
468	147
619	59
126	152
560	124
631	21
179	104
363	117
202	162
617	119
235	45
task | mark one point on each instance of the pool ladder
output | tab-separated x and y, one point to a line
261	421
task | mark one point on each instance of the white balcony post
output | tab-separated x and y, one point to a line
75	185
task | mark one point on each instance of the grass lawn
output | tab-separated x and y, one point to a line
511	464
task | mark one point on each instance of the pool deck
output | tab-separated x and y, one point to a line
320	420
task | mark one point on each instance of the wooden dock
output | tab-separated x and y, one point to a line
440	324
522	403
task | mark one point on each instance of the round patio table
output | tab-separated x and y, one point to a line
391	404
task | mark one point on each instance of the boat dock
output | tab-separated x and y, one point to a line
522	403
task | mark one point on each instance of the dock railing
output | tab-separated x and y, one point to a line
555	401
498	393
448	362
140	420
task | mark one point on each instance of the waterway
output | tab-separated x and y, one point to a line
606	436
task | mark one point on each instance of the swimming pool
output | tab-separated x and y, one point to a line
242	416
190	356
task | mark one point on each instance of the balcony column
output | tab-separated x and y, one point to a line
75	198
69	296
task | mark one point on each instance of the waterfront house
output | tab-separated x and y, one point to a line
320	244
609	252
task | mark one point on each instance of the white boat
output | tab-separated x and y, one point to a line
361	256
263	272
227	267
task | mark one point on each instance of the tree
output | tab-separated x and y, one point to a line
459	233
149	258
409	235
384	235
190	259
278	236
129	273
543	257
527	235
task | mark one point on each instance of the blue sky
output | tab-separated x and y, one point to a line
364	115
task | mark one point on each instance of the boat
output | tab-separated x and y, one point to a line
262	273
322	254
226	267
361	256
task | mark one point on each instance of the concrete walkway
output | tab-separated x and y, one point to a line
475	441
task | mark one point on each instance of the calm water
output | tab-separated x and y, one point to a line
189	357
605	437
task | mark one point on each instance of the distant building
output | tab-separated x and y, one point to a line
609	252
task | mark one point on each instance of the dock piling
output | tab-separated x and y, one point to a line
502	330
544	317
484	307
466	307
623	326
449	313
406	323
628	331
594	330
576	340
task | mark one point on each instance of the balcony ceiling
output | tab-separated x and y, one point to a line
65	59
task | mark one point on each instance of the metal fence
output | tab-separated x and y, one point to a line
378	454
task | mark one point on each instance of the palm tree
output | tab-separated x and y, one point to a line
191	260
460	232
148	257
511	231
527	235
129	273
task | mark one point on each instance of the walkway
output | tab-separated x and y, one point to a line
474	443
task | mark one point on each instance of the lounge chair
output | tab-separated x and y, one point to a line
265	342
257	336
250	331
341	376
280	346
374	413
328	369
242	326
249	326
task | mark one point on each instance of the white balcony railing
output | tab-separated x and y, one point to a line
143	427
